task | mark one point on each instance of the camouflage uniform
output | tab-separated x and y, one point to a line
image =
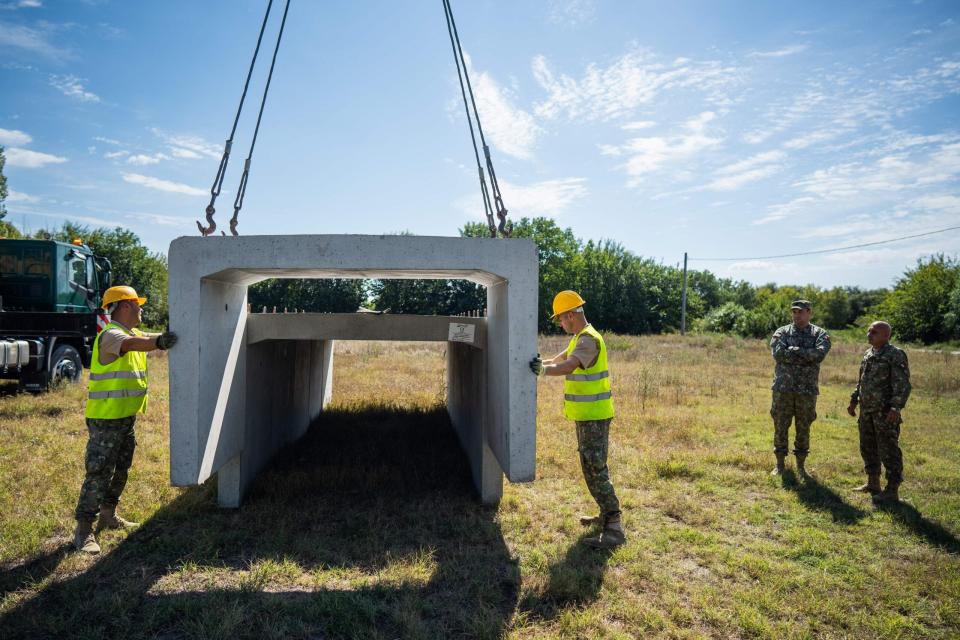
592	442
798	354
109	456
883	384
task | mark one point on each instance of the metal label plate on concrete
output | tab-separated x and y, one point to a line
460	332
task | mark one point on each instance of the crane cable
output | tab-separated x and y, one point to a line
225	159
493	198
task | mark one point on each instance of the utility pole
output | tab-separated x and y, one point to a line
683	299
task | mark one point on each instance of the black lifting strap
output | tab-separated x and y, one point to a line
225	159
496	199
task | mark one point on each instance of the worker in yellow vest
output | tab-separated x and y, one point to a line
117	393
587	401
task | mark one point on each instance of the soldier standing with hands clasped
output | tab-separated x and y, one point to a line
798	349
883	387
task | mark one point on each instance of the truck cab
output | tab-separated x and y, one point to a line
50	312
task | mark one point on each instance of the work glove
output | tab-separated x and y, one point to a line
536	365
166	340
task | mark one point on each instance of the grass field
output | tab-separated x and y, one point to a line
369	528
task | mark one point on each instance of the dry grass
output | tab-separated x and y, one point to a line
368	528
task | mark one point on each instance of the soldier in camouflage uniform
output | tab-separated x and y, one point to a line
883	387
798	349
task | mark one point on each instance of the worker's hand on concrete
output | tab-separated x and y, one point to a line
166	340
536	365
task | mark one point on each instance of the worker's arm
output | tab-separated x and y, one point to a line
161	341
562	368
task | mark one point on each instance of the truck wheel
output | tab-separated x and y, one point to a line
65	366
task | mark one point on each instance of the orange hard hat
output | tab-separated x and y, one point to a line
566	301
116	294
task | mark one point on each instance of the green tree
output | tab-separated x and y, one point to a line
918	305
3	186
133	263
833	308
558	257
314	295
7	230
952	318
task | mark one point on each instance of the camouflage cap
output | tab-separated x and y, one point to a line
801	304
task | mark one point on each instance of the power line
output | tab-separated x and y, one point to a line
834	250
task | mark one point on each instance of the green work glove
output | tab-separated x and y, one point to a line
166	340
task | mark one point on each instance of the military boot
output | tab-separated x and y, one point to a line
891	494
588	521
801	466
781	465
611	537
83	538
872	485
110	520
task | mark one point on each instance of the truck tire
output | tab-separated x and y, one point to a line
65	366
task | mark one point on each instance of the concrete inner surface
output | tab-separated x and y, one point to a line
243	385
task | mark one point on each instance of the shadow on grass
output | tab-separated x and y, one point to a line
575	581
366	528
934	533
819	497
35	569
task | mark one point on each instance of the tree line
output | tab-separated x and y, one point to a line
625	293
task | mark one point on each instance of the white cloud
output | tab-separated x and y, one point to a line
113	155
27	159
509	128
753	265
180	152
112	141
144	160
189	146
812	138
638	125
549	197
72	87
14	137
16	196
755	168
162	185
30	40
634	79
780	53
572	12
650	154
795	207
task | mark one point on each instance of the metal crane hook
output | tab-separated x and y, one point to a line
211	224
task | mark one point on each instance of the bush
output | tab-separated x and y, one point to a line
724	319
919	304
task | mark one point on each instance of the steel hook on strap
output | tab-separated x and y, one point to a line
211	224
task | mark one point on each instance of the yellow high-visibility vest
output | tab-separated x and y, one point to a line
586	392
118	389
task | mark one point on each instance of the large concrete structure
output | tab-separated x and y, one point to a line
243	385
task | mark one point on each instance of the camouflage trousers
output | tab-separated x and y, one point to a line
880	442
109	456
593	437
790	407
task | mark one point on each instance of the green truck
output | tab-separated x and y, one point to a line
50	311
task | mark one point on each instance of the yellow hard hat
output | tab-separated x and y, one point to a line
566	301
116	294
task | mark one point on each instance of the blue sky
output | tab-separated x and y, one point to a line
721	129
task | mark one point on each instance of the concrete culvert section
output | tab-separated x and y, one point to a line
243	385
